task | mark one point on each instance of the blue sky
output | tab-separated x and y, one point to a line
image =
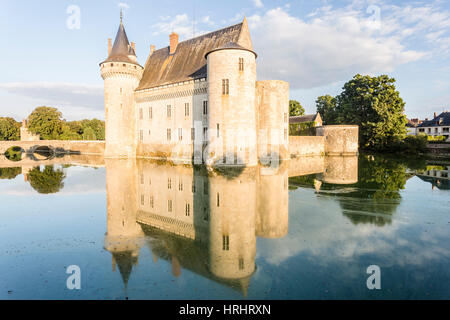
315	45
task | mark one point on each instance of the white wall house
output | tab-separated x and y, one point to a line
439	126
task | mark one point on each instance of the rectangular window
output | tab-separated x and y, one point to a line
141	135
169	205
241	263
169	111
218	199
218	131
151	201
205	134
225	86
192	134
241	64
169	183
141	114
180	185
188	209
169	134
142	199
186	109
225	243
180	134
205	108
150	113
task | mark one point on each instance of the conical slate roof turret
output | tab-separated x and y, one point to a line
122	51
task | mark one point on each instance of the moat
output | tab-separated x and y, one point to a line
304	229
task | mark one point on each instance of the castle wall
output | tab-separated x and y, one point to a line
120	81
340	140
306	145
272	105
153	121
235	112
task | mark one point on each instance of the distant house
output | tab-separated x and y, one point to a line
304	125
438	126
412	125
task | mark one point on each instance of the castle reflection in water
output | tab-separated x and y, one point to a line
202	219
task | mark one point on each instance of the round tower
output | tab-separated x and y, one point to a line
232	111
121	74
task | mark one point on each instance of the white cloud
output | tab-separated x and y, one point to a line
332	46
181	24
258	3
123	5
74	100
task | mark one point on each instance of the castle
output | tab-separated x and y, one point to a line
194	100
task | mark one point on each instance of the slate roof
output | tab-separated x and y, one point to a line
121	49
188	62
305	118
436	121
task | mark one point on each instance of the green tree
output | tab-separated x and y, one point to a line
47	181
10	173
295	108
326	106
46	122
375	105
97	126
89	134
9	129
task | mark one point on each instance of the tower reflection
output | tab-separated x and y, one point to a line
201	219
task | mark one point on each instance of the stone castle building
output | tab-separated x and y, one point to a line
196	99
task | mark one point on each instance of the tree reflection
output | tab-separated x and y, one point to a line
50	180
10	173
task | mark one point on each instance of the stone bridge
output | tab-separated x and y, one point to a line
56	146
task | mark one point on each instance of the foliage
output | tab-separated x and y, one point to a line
295	108
9	129
46	122
47	181
372	103
326	106
436	138
10	173
410	145
303	129
14	154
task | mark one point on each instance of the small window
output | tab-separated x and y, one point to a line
192	134
112	64
218	130
124	65
169	183
169	134
169	111
186	109
180	134
151	202
225	86
241	263
141	135
241	64
180	185
188	209
141	114
169	205
205	108
225	243
218	199
142	199
150	113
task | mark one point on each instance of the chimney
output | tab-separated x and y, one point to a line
152	49
173	42
435	115
109	46
133	45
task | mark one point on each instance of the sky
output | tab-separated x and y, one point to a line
52	49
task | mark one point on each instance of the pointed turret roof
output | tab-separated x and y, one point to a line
122	51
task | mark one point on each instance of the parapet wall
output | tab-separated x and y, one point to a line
306	146
339	140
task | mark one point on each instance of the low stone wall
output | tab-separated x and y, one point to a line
306	146
340	140
58	146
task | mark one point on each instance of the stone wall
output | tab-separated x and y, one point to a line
272	100
340	140
59	146
306	145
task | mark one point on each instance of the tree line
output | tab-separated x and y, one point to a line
49	124
375	105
